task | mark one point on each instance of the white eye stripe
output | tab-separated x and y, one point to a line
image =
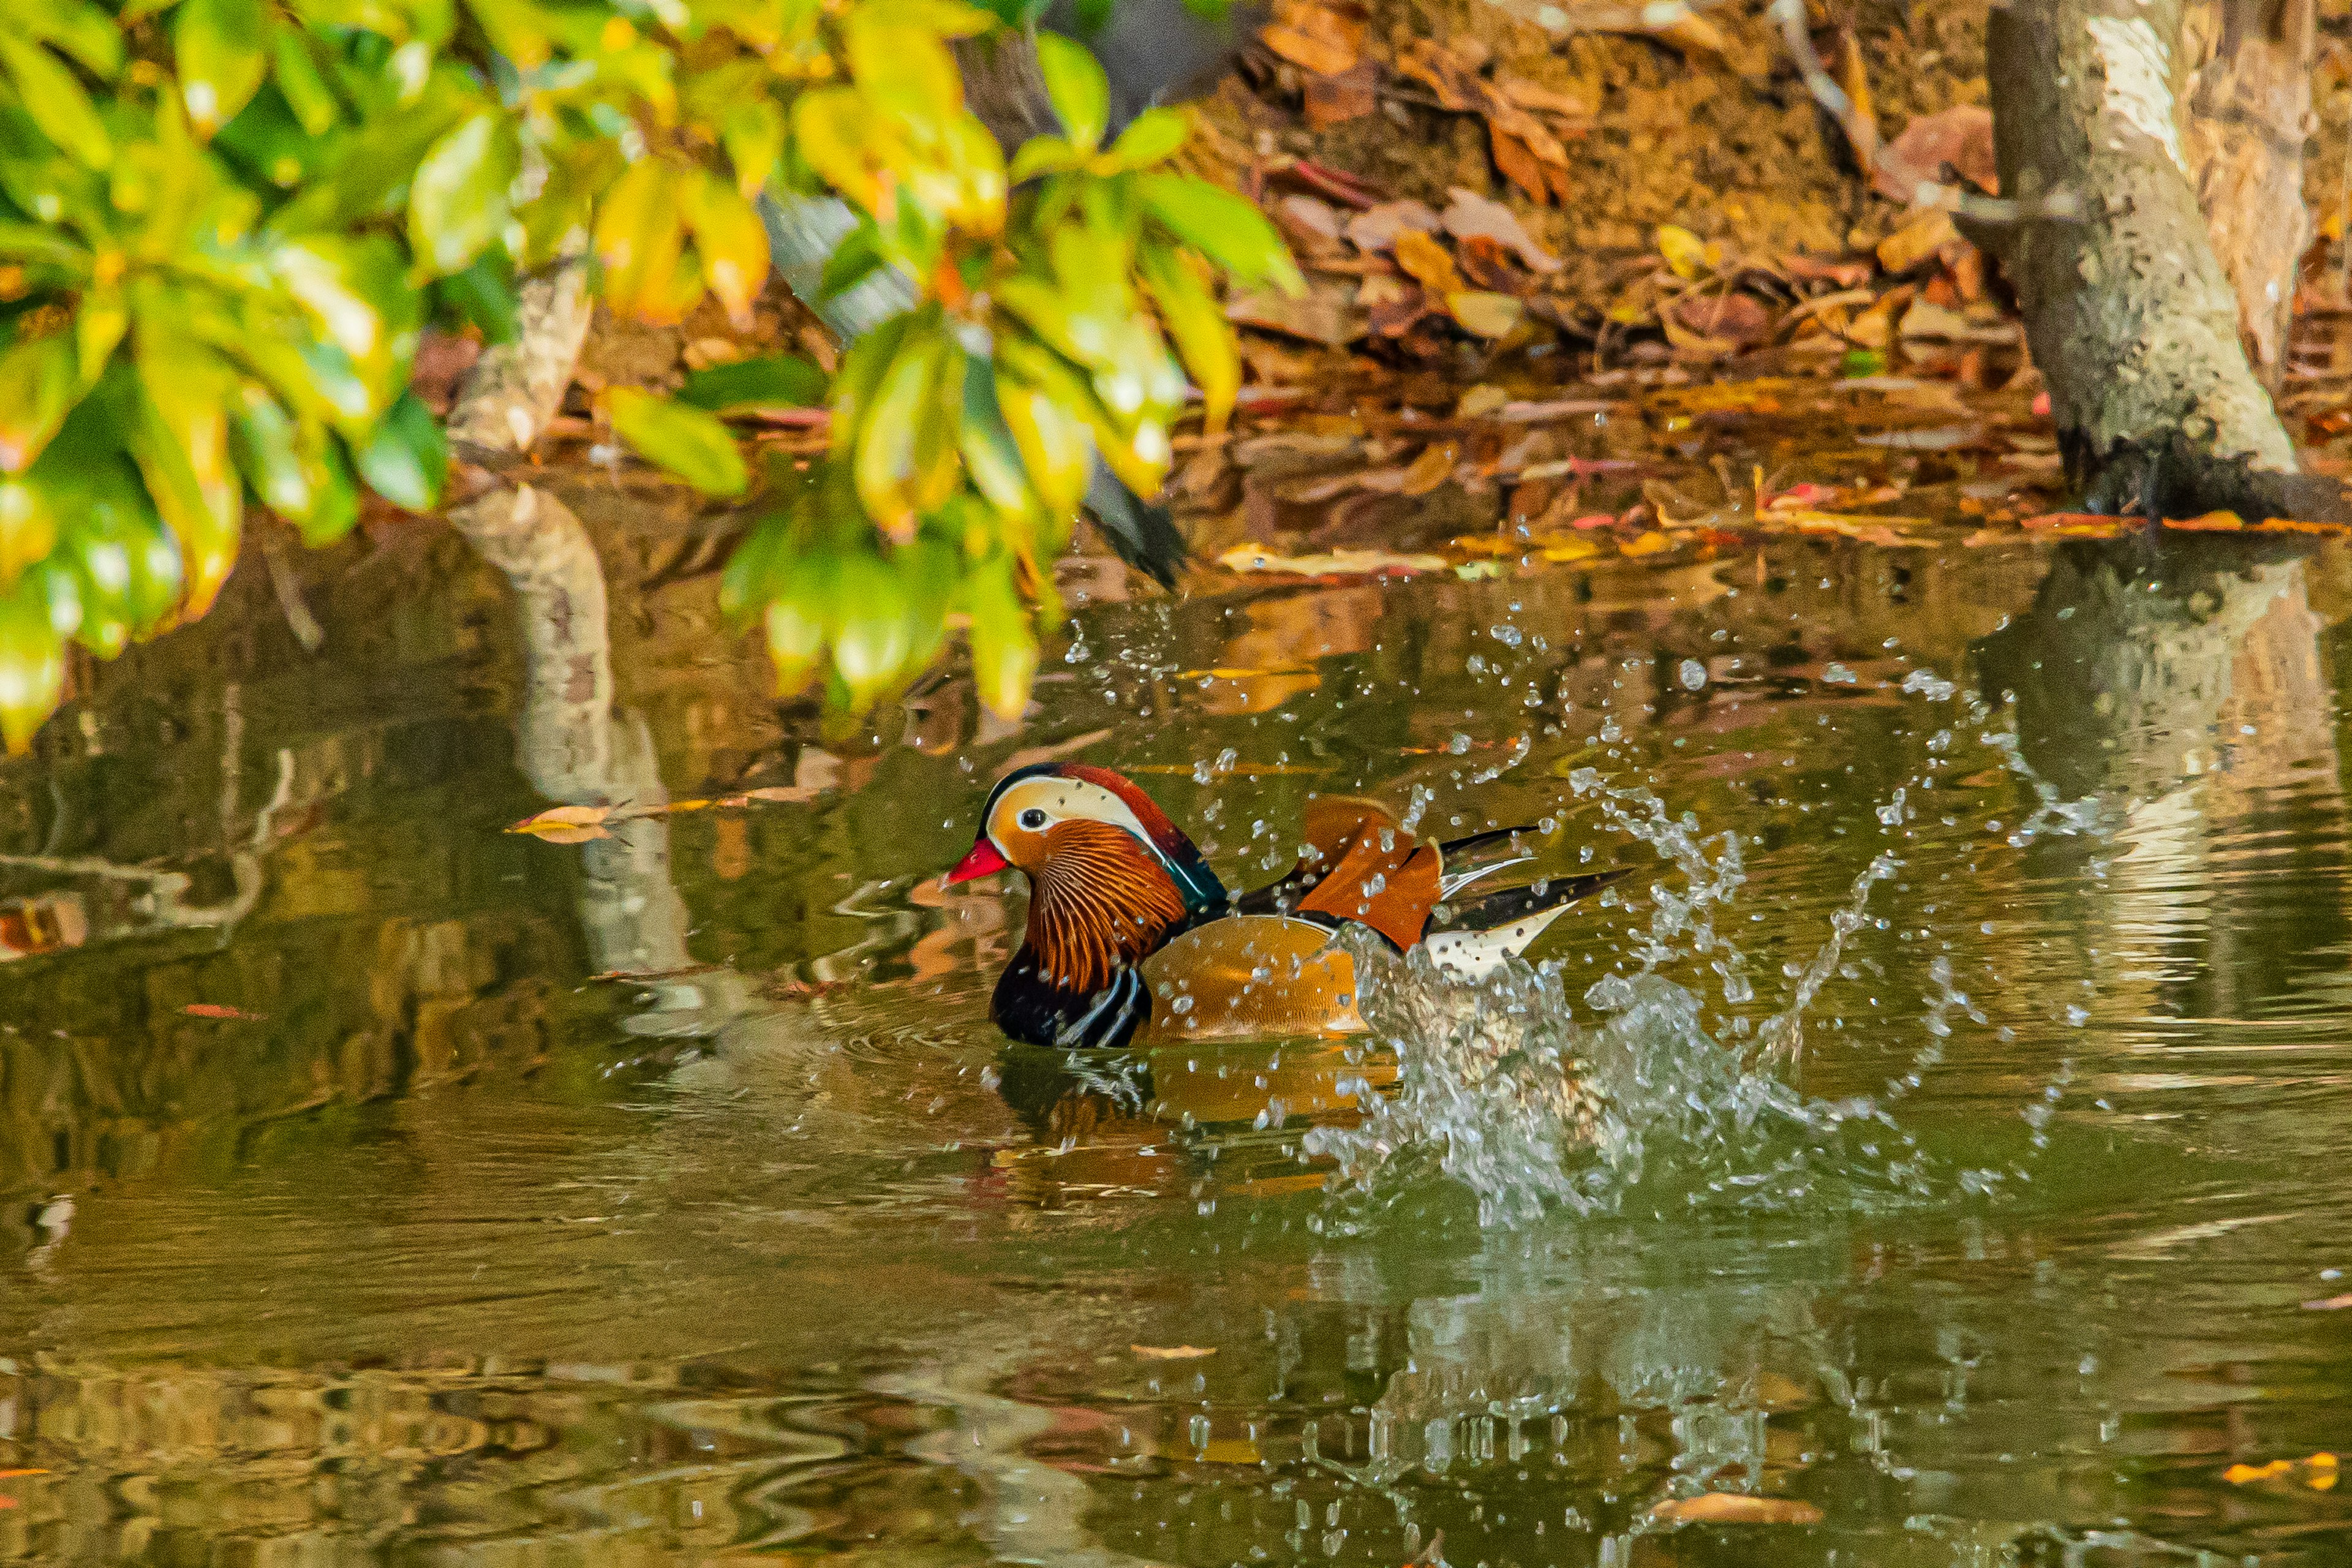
1066	800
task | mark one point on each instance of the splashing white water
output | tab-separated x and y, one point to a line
1502	1091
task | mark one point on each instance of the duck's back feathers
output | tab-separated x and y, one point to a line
1251	977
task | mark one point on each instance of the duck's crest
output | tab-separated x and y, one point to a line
1202	890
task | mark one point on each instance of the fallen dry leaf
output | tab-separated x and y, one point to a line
1690	257
1735	1508
567	824
2075	525
1321	56
1470	214
1934	322
1335	99
1376	228
1648	543
1453	79
1518	162
1870	530
1962	137
1330	564
1311	221
1172	1352
1321	315
1488	314
1917	240
1527	95
1426	261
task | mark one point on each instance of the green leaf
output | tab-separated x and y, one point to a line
486	295
219	45
267	448
299	77
685	441
28	525
1155	135
753	135
777	381
457	202
43	246
639	237
1200	328
99	321
357	292
36	392
872	641
56	101
797	621
1076	88
990	454
406	460
82	30
1003	644
180	437
730	240
1056	445
854	259
1227	229
32	665
1043	155
902	68
890	439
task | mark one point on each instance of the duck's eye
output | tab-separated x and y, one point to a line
1033	819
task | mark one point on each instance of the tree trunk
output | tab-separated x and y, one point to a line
2129	315
2249	115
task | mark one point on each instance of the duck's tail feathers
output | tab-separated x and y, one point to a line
1502	925
1481	855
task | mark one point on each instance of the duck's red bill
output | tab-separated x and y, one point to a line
985	858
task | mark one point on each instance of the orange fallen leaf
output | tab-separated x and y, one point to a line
194	1010
1321	55
1870	530
1172	1352
1735	1508
2075	525
1426	261
1330	564
566	824
1648	543
797	794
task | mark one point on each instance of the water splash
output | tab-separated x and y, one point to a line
1502	1090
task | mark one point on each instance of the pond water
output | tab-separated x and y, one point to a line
1942	1134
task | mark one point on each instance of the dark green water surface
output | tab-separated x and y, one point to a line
352	1215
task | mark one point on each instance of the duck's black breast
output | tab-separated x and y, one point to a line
1030	1006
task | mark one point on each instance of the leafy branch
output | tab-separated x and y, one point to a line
223	225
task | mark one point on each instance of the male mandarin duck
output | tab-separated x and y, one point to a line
1132	940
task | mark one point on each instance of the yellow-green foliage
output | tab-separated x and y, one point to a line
225	223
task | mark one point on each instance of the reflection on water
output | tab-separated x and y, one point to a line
379	1185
